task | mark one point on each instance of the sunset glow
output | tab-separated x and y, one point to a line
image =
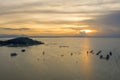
60	17
86	31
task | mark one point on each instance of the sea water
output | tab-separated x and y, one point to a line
62	59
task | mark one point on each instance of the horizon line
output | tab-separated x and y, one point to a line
58	36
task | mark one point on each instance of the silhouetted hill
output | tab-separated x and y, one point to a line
20	41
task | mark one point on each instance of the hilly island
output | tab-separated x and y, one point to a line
20	42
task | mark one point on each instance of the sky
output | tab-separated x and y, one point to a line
60	17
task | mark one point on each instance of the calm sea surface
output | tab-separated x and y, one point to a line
62	59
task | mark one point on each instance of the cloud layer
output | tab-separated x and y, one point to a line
69	16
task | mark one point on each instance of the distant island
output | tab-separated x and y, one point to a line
20	42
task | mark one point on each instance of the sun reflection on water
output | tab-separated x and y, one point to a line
86	61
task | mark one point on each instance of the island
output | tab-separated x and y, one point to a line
20	42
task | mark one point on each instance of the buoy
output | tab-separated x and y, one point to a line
101	56
71	54
107	57
110	53
13	54
91	51
98	52
62	55
23	50
43	53
87	52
